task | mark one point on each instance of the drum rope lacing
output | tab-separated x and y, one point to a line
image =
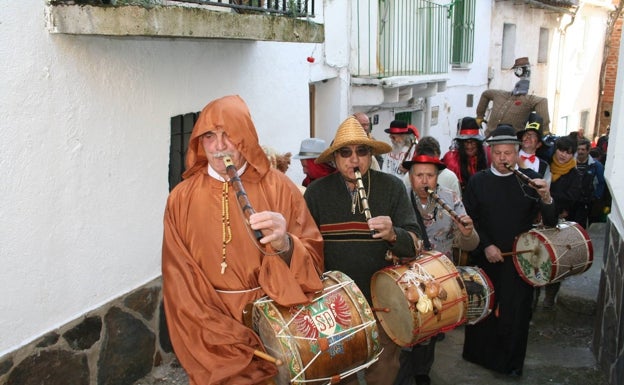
571	267
342	375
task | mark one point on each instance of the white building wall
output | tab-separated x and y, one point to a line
570	78
575	73
84	147
528	21
450	100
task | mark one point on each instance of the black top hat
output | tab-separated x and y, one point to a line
534	123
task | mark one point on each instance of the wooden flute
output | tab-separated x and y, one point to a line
444	205
362	194
406	157
522	176
241	195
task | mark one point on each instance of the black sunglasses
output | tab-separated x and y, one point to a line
346	152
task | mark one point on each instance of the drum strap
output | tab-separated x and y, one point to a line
425	237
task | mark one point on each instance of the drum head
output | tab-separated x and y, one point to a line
534	258
480	293
392	307
548	255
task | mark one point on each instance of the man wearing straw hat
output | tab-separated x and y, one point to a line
502	207
358	233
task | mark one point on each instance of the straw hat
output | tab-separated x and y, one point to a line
350	133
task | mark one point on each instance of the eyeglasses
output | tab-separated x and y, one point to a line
346	152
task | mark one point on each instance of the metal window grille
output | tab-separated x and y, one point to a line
294	8
400	38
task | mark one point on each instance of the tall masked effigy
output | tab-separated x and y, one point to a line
512	107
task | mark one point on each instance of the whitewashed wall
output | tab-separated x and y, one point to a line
333	98
528	21
575	71
570	77
84	146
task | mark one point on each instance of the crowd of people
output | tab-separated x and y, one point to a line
237	230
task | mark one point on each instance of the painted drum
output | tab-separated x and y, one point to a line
480	293
547	255
419	300
331	338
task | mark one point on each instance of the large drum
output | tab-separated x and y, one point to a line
547	255
414	302
331	338
479	293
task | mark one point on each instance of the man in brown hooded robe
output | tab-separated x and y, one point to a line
211	262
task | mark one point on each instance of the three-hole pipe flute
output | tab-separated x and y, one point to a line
522	176
445	206
241	195
362	194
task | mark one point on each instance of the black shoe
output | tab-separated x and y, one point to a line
514	373
422	379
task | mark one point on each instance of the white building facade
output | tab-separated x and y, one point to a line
86	133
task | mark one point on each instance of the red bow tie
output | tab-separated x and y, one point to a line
530	158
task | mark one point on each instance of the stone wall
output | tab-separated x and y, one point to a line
608	342
118	343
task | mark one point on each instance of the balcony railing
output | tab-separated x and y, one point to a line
182	19
293	8
400	38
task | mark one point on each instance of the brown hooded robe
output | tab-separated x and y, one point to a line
205	323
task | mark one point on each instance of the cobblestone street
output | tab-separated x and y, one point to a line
559	351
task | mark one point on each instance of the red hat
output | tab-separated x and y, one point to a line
424	159
414	130
398	127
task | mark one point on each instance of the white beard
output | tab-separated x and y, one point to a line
398	148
